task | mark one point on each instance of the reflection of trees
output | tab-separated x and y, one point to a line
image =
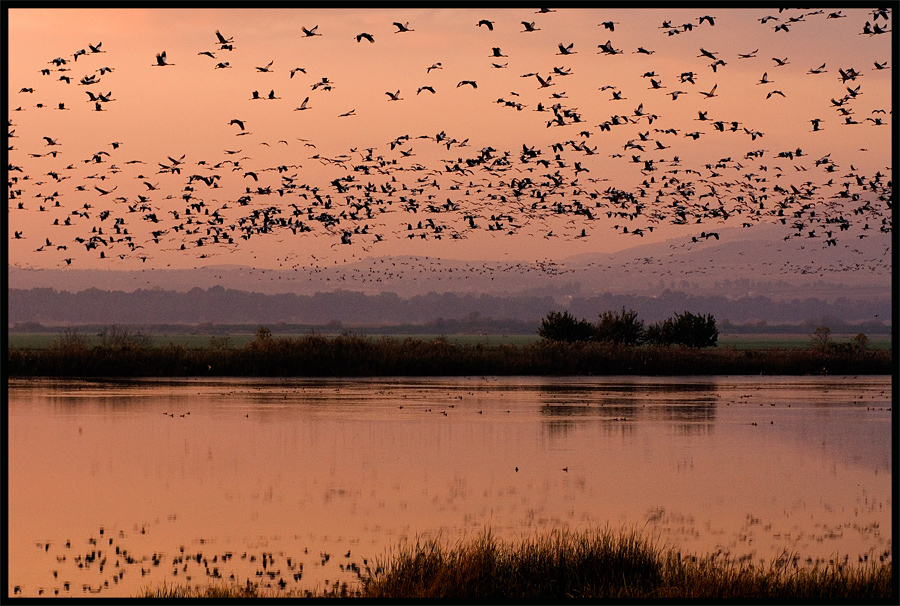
689	407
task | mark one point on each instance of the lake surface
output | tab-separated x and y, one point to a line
161	479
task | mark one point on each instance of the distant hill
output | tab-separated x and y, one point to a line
742	262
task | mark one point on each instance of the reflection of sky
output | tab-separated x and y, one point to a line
338	465
186	109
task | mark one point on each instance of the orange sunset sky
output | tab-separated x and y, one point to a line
466	172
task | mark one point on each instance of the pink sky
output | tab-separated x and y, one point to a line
185	109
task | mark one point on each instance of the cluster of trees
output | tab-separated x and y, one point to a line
624	328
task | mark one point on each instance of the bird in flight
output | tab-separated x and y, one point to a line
394	96
711	93
222	39
469	82
310	32
544	83
529	27
303	105
267	68
161	60
402	27
566	50
608	48
428	88
489	24
345	114
369	37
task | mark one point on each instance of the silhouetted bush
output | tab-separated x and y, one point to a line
563	326
688	329
821	338
119	337
71	341
620	328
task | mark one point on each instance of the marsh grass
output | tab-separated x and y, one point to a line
597	563
556	564
604	564
249	590
354	355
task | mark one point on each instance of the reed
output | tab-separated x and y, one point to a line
249	590
354	355
601	563
596	563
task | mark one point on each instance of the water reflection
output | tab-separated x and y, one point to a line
689	408
308	471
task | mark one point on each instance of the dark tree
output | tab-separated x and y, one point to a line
620	328
691	330
563	326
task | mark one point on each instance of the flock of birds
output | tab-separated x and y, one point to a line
108	561
70	208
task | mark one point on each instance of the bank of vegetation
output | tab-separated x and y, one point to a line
123	353
596	563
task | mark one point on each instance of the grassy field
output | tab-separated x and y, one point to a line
789	341
189	341
595	563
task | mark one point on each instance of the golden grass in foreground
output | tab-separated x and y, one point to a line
596	563
250	590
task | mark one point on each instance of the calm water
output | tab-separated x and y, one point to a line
302	469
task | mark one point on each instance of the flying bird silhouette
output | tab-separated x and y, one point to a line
161	60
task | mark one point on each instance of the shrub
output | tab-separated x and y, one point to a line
860	342
621	328
118	337
821	338
70	340
691	330
564	326
219	343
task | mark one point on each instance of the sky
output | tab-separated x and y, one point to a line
641	142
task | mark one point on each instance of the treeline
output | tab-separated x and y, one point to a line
228	306
625	328
123	354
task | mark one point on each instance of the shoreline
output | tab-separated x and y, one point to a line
356	356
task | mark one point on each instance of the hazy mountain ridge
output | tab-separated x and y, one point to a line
228	306
741	263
